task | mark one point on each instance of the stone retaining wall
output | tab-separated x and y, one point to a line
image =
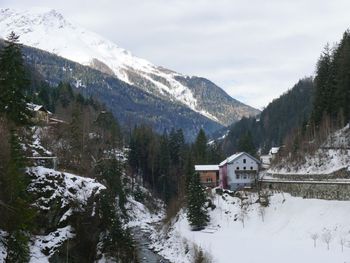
319	190
340	174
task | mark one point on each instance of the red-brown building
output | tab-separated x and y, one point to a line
209	174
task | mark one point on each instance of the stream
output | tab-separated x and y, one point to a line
145	254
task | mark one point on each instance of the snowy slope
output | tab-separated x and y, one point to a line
48	30
332	156
283	236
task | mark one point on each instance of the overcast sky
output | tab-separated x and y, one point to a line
254	49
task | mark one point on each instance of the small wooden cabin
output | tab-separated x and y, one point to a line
40	113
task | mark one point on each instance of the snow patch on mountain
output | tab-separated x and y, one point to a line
47	29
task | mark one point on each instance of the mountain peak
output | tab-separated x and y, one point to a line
47	29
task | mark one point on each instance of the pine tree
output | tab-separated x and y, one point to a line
18	221
164	162
196	212
13	82
245	144
215	154
200	148
117	241
65	94
324	92
342	77
110	172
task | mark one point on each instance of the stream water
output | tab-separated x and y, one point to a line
145	254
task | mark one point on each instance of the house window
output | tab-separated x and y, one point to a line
237	168
244	168
244	160
209	180
251	167
237	176
245	176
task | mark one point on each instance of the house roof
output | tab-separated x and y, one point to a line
233	157
206	167
274	150
36	107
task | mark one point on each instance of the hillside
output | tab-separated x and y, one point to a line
129	104
320	146
328	160
279	119
48	30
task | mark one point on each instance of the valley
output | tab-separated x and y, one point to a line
106	157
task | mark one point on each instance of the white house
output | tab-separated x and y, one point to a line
238	171
266	159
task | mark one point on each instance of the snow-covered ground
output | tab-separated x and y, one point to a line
283	236
66	187
333	155
142	216
324	161
48	244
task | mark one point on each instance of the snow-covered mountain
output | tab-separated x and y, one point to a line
48	30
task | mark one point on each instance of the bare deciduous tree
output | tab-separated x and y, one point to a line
342	241
261	212
327	237
243	214
314	237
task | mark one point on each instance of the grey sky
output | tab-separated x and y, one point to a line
254	49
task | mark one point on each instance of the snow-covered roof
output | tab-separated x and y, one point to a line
36	107
206	167
274	150
233	157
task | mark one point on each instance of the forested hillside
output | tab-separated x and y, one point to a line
332	83
309	112
129	104
280	118
79	206
46	213
330	108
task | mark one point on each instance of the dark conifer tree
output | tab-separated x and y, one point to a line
324	92
341	103
19	220
13	82
246	144
200	148
197	214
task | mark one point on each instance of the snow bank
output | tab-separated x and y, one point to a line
65	186
36	146
48	244
144	216
283	236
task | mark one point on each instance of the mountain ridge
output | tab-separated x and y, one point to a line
47	29
129	104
